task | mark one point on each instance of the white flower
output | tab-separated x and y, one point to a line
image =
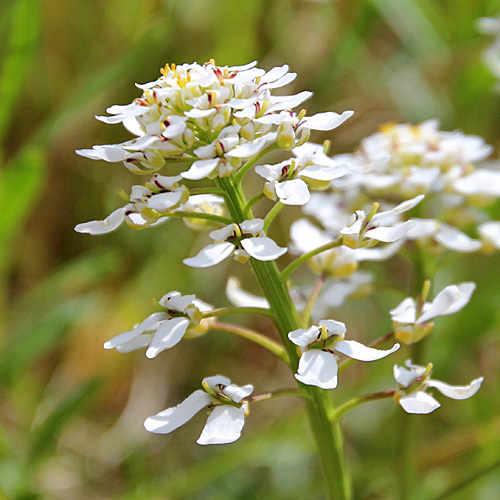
379	226
290	180
413	380
227	411
317	345
147	204
411	319
244	240
163	330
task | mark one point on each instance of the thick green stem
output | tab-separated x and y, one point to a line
318	404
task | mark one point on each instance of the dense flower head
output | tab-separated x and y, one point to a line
181	315
413	380
210	116
412	159
227	411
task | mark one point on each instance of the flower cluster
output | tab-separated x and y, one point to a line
214	124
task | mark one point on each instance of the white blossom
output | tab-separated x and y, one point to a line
225	403
162	330
382	226
244	240
413	380
146	207
411	319
317	346
290	180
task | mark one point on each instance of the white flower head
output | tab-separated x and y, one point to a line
227	411
411	319
413	380
318	344
181	315
244	240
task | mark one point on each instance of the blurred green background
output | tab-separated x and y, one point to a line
71	413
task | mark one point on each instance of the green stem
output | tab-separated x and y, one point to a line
318	286
272	214
250	163
200	215
252	201
225	311
328	437
352	403
216	191
254	336
286	273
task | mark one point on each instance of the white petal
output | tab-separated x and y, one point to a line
136	343
110	223
263	248
457	391
165	201
453	239
419	402
200	113
405	312
288	102
241	298
450	300
361	352
303	337
216	380
201	169
326	121
318	368
237	393
294	192
211	255
324	173
390	234
223	425
149	324
111	153
252	226
405	375
169	333
333	327
168	420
